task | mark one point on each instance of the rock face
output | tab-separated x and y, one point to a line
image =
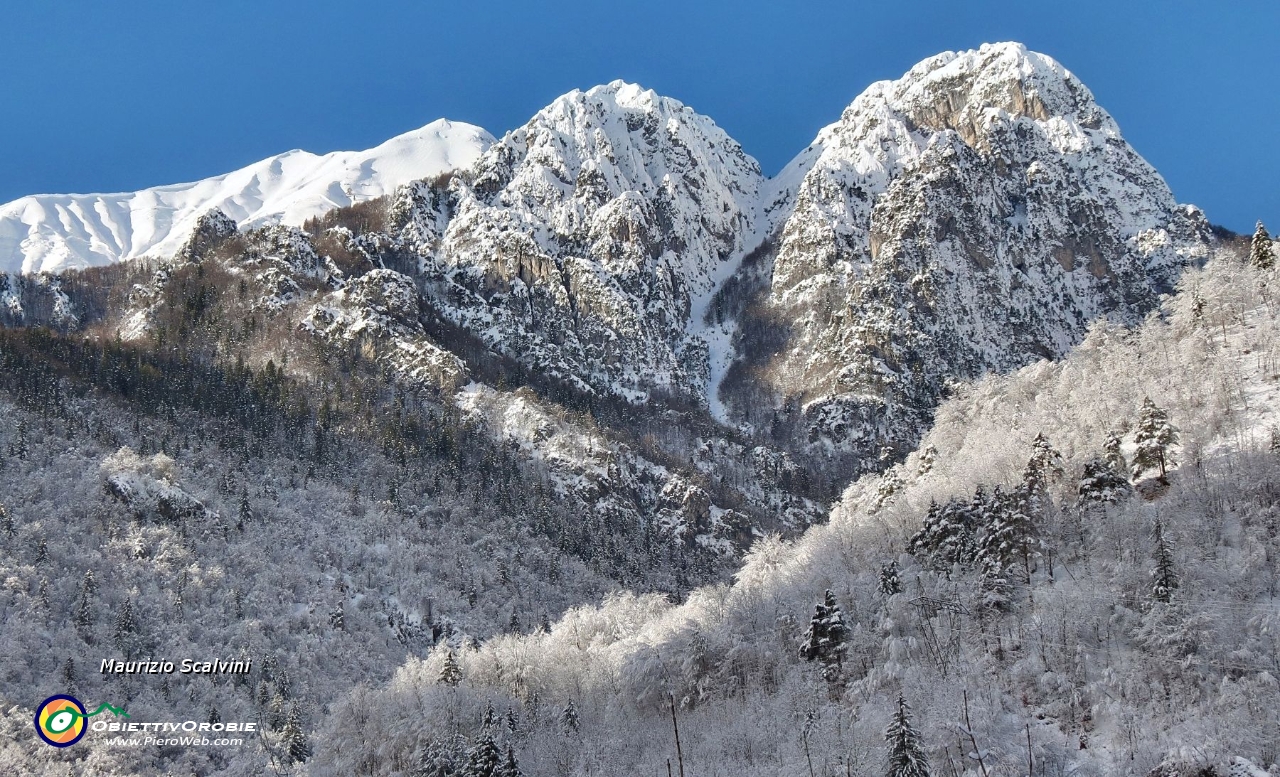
587	243
974	215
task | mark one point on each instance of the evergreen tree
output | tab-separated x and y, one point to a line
928	457
297	749
890	583
484	759
1010	534
509	767
569	719
6	522
1112	454
824	641
126	626
83	618
450	673
906	754
246	513
69	673
1155	438
946	538
438	759
1044	465
1164	578
1261	253
1101	484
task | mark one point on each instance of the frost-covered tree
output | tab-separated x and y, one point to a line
825	640
569	722
509	766
1261	253
1164	577
1010	533
245	513
1101	484
450	672
906	754
484	759
1044	464
294	738
126	628
1112	453
946	538
890	582
6	522
438	759
928	455
1155	439
84	609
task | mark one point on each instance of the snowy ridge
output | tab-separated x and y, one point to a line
48	232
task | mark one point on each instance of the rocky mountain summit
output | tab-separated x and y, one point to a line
975	215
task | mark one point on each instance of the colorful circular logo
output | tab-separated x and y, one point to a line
60	720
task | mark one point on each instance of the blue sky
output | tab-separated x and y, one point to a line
105	96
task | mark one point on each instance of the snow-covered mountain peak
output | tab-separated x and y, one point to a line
51	232
974	214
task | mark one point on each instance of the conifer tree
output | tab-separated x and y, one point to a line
1045	463
569	719
1101	484
297	748
450	673
83	618
946	538
824	641
1112	454
437	760
1164	578
1261	253
890	582
509	767
69	672
1155	438
1010	533
126	625
906	754
246	513
484	759
6	522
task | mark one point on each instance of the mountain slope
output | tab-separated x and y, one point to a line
1083	663
972	216
587	242
50	232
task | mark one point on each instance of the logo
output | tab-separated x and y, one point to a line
61	720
